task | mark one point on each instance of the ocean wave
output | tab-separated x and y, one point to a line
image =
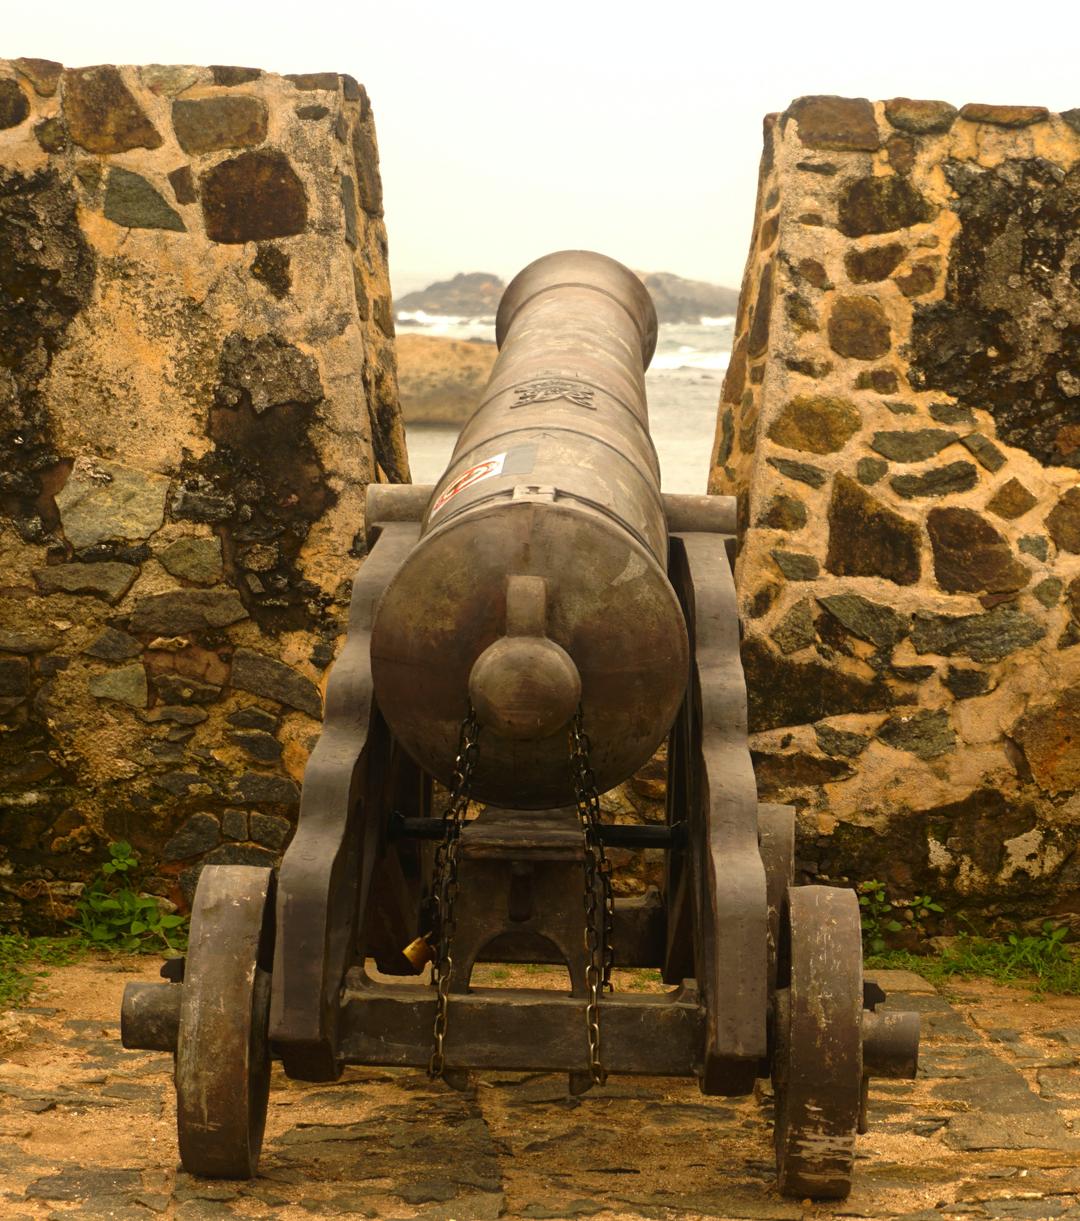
420	318
691	358
680	345
447	326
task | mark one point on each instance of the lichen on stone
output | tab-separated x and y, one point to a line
1009	323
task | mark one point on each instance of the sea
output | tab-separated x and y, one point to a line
683	385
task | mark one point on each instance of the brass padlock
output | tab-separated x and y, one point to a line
418	952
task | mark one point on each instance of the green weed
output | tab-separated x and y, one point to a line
883	917
1042	961
112	915
876	913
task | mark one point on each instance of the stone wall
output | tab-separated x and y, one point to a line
901	424
196	383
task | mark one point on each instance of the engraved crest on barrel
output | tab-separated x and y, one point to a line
539	581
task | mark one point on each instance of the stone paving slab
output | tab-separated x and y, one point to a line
987	1131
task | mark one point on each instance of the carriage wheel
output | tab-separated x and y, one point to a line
222	1054
817	1061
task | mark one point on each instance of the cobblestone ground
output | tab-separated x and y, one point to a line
86	1129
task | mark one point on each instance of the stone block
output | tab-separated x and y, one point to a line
132	201
796	566
1048	734
186	610
816	424
253	717
106	580
859	328
14	105
919	116
880	625
14	676
43	74
982	637
874	264
796	630
937	481
880	205
1063	523
197	835
867	538
252	197
270	830
970	556
1004	116
39	641
234	824
103	116
113	645
224	74
1012	500
125	685
207	125
194	559
258	745
264	675
925	734
912	445
104	500
843	124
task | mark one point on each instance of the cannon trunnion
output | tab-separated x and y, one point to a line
527	632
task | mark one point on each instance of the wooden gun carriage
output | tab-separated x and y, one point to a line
527	632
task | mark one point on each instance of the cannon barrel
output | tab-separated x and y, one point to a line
540	576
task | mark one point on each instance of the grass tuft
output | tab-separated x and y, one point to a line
24	960
1041	962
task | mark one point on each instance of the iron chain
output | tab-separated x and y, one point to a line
445	883
598	932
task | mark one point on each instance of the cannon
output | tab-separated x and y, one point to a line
526	634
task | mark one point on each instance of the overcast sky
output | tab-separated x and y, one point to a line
510	129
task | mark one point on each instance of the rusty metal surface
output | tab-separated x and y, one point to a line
521	880
352	779
818	1059
222	1053
389	502
890	1043
556	463
524	686
719	880
700	514
528	1031
150	1016
386	503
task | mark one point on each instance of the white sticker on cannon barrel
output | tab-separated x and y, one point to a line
475	474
